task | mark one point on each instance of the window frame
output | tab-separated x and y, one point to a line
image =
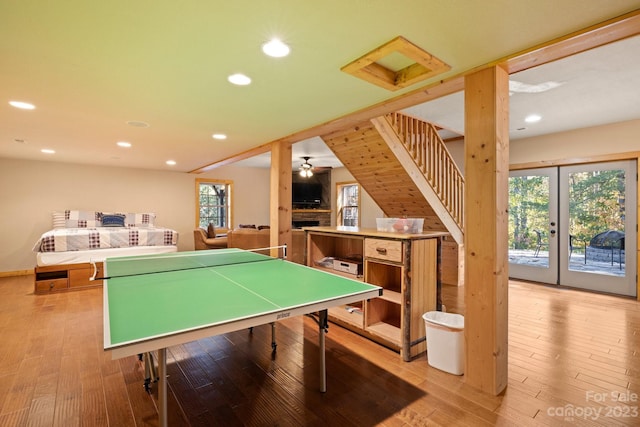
229	204
340	186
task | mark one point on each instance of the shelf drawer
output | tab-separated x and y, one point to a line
51	285
388	250
81	277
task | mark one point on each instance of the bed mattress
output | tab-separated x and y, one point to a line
97	255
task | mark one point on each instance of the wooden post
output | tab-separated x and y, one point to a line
486	276
280	199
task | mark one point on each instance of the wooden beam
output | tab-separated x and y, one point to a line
619	28
280	199
264	148
486	234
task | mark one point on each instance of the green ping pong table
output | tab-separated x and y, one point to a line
205	293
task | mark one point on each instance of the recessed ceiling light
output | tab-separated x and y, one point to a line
171	162
532	118
138	124
239	79
219	136
47	151
275	48
22	105
123	144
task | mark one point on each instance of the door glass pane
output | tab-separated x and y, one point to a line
529	220
597	221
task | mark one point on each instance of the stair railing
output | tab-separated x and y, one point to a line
430	154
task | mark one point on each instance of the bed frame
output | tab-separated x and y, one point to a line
66	277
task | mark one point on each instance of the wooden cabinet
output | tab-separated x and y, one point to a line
65	277
404	265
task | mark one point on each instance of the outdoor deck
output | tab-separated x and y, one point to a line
576	264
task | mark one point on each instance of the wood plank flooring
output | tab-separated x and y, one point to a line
574	359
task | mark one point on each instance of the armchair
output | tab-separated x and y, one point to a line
202	241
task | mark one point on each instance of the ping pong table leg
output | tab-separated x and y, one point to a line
323	324
274	344
162	387
273	336
150	374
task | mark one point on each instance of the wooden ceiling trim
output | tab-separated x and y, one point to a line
610	31
369	69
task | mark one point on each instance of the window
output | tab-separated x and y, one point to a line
213	203
348	203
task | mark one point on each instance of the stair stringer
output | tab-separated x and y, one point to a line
365	154
390	136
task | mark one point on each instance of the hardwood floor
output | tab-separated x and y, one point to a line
574	359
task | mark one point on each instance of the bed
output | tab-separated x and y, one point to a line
72	252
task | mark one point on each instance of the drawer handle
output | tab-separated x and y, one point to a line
381	251
95	271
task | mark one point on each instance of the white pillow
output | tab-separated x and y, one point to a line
58	220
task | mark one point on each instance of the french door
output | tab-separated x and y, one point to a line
575	226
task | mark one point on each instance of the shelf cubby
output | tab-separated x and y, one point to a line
403	265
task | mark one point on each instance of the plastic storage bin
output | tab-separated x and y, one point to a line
445	341
400	225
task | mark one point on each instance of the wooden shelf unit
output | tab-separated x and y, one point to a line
404	265
65	277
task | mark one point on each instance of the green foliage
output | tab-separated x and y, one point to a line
596	204
213	205
528	210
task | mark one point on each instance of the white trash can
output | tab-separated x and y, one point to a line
445	341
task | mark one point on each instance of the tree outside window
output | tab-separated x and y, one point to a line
348	204
213	199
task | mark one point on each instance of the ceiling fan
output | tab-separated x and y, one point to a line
306	169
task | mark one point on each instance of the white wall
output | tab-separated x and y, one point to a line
250	198
614	138
601	140
31	190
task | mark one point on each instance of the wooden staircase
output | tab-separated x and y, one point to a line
403	164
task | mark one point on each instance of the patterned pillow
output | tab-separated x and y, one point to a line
146	219
114	220
82	219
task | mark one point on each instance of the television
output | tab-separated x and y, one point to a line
306	194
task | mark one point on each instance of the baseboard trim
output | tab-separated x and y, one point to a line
15	273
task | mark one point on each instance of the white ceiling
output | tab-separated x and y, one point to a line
599	86
91	67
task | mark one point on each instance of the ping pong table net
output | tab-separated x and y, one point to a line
177	261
